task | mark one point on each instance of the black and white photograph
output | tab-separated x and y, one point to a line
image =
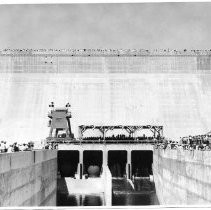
105	104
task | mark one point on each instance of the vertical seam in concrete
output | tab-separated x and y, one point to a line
34	156
10	162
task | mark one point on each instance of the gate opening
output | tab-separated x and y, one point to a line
92	160
117	162
68	162
141	163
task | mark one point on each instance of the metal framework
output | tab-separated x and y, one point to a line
60	120
131	129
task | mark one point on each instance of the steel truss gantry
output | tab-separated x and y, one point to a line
131	129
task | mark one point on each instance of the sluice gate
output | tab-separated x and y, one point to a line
122	163
68	162
123	160
92	162
117	160
142	163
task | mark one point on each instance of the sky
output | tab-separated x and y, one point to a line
126	25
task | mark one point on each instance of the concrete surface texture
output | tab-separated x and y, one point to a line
182	177
106	147
97	185
171	89
28	178
107	181
84	186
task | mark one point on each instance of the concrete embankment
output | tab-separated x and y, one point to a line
182	177
28	178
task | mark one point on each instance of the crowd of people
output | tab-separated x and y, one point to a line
15	147
199	142
107	51
18	147
119	137
51	145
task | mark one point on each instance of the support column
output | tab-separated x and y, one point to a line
105	157
154	133
104	134
135	133
68	130
102	130
51	132
81	164
80	134
128	165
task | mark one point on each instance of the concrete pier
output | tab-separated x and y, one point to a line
128	164
28	178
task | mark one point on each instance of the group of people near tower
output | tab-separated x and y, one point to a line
119	137
199	142
15	147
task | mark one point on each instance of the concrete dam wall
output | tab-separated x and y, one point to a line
127	87
28	178
182	177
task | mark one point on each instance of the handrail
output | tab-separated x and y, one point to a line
63	140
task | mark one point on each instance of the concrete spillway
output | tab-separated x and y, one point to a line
168	88
172	89
30	179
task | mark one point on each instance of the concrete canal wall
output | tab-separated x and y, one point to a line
182	177
28	178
